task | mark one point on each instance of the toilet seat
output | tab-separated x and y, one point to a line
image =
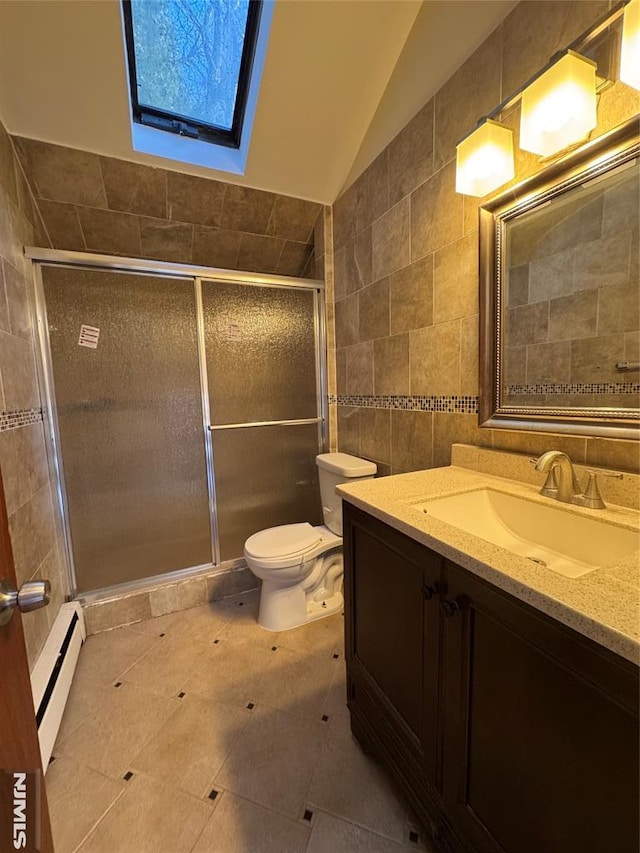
288	545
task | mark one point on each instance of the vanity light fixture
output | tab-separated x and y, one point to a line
630	51
559	108
484	159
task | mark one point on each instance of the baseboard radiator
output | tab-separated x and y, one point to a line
53	673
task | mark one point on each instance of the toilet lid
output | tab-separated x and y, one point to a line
286	540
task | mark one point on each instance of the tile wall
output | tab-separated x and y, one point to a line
405	253
100	204
33	524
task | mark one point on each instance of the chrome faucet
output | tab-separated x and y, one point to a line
562	483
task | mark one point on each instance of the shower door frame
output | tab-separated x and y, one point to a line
198	275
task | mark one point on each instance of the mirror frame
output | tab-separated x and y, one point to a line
603	154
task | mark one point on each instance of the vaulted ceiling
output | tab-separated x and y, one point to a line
329	64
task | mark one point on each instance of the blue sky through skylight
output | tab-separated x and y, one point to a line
188	55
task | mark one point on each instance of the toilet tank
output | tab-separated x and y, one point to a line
334	469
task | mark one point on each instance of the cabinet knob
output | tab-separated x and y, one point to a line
428	591
449	607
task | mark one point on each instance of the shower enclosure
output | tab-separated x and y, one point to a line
187	408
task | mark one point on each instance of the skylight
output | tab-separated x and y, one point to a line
191	64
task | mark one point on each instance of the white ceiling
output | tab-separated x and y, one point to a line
329	62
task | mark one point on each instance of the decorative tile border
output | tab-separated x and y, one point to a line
25	417
442	403
576	388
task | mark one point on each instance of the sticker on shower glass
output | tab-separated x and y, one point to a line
234	333
89	337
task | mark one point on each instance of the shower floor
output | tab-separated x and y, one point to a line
199	732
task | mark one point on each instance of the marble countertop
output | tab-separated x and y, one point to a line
603	605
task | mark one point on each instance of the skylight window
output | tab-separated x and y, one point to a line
190	65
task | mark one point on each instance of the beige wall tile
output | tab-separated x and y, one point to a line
341	371
360	368
390	238
293	259
246	209
353	265
436	213
469	356
600	263
550	362
537	443
216	247
450	428
373	310
349	429
411	296
435	359
112	614
372	192
527	324
517	286
293	219
375	434
225	584
32	531
166	241
469	94
23	461
391	365
133	188
618	308
62	224
5	324
193	199
18	301
594	359
574	316
18	370
411	154
258	253
109	231
62	174
178	596
347	321
515	365
551	277
534	31
455	280
616	454
344	217
411	441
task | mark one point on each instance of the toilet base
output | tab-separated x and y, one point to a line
284	608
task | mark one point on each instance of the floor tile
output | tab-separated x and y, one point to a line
352	785
335	705
168	665
78	797
149	818
85	697
193	744
240	826
127	719
158	625
297	683
273	760
104	657
324	637
332	835
230	674
243	625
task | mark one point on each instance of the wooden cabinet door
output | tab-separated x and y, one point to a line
392	633
540	731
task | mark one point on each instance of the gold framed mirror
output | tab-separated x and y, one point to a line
560	295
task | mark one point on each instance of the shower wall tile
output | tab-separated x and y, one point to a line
32	529
178	596
95	203
133	188
62	224
111	614
193	199
226	584
18	301
23	461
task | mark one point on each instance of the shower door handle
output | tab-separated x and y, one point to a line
32	595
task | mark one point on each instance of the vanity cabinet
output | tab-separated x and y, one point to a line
507	731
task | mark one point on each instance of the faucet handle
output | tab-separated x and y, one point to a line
591	496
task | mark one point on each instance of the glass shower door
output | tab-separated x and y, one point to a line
124	358
263	399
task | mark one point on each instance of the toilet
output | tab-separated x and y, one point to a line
300	565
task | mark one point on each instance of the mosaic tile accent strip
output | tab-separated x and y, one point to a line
25	417
442	403
576	388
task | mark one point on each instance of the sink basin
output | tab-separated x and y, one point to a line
566	542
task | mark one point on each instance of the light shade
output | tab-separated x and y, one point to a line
630	52
484	160
559	108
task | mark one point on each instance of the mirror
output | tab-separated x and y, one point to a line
560	295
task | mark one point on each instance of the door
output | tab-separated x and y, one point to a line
541	730
126	376
263	397
19	748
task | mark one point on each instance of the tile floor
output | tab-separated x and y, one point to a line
198	732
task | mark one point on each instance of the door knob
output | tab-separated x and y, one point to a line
32	595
